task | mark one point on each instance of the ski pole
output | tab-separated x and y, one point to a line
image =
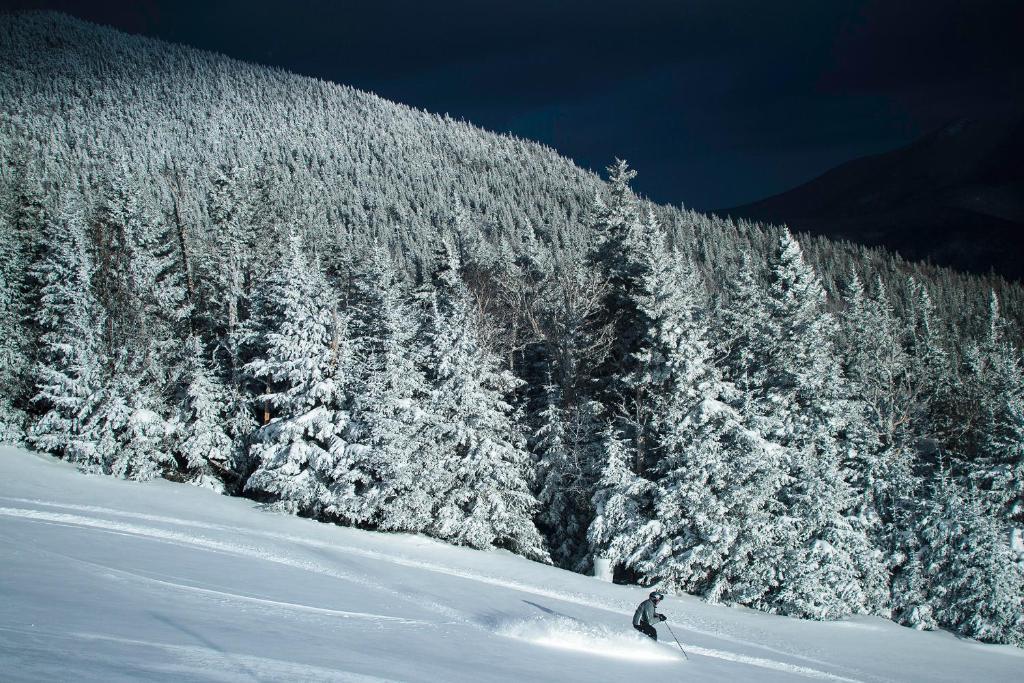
677	641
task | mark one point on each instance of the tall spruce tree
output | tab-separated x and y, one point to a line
996	378
301	452
976	586
800	404
480	465
717	478
388	401
562	487
70	376
201	442
625	238
883	399
623	506
932	366
15	362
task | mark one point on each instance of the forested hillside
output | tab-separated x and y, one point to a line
288	289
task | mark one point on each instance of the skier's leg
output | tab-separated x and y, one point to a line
647	630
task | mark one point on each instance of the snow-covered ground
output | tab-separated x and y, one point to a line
107	580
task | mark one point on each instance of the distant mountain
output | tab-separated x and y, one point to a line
955	197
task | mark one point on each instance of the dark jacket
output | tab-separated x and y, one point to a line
645	613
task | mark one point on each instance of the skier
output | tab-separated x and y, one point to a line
645	615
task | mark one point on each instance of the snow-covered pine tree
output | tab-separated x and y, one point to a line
144	308
479	471
995	375
241	425
70	376
884	398
562	485
617	254
717	478
623	507
976	586
301	453
655	369
625	239
134	441
911	594
877	369
574	341
157	275
201	443
932	367
224	263
828	563
15	363
388	400
746	339
119	225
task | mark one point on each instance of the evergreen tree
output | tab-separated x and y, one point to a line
877	368
561	485
976	585
746	339
119	227
134	435
931	365
623	505
717	533
622	256
718	478
160	293
799	402
388	398
480	467
202	444
911	592
301	453
884	398
70	377
14	337
224	270
996	380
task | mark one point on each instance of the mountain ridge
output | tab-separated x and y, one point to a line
954	197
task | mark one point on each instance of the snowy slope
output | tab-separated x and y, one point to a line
106	580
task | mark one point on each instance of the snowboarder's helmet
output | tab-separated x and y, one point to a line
657	596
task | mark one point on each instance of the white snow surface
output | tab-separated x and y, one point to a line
108	580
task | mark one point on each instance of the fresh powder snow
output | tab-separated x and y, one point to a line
108	580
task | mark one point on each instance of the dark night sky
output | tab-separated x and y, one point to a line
715	102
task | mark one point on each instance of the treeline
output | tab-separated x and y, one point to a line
358	312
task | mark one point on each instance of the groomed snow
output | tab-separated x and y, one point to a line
107	580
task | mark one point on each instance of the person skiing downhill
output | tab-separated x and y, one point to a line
645	616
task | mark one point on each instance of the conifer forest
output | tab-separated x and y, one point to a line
355	311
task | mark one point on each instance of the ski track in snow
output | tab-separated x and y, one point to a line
188	540
768	664
214	664
269	603
178	538
289	606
